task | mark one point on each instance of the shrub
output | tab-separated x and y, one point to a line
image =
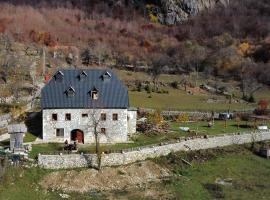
148	88
155	118
174	85
263	104
139	86
251	99
183	117
153	18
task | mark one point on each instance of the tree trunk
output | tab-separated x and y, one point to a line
97	149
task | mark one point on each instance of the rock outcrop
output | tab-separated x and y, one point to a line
177	11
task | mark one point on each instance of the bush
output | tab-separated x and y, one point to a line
139	86
183	117
155	118
165	91
174	85
251	99
245	98
148	89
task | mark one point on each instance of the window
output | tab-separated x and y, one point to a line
115	117
106	76
103	117
59	132
103	130
54	117
68	116
94	95
84	115
70	92
82	75
59	76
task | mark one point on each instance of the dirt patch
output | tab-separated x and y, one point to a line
119	178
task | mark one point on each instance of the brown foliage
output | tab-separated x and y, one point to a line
263	104
3	24
42	38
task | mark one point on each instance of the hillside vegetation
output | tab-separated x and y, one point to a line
216	41
229	40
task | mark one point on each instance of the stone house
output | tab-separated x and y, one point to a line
74	100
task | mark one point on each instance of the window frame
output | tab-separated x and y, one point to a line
84	115
103	131
54	117
103	117
61	131
115	116
94	95
68	117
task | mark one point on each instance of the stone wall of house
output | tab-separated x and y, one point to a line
114	159
132	121
116	131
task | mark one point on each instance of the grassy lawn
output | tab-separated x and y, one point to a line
23	184
148	139
248	172
29	137
45	148
180	100
263	94
219	127
139	140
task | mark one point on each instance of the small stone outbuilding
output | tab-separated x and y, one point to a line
16	132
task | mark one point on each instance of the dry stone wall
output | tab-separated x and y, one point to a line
114	159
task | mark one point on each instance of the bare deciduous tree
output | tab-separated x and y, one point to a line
94	125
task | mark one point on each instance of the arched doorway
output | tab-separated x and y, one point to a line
77	135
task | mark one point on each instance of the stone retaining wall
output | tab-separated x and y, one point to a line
114	159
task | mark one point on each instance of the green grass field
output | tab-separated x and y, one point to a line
219	127
249	174
153	138
179	100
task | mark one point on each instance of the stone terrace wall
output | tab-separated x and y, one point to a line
114	159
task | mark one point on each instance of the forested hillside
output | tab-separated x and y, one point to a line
225	39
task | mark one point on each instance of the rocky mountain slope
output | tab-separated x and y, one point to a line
177	11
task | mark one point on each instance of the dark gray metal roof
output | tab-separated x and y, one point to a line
73	91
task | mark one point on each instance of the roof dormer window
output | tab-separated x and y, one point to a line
70	92
106	76
59	76
82	75
94	93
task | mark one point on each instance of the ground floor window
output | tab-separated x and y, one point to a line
103	130
103	117
59	132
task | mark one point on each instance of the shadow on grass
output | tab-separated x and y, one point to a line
242	126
